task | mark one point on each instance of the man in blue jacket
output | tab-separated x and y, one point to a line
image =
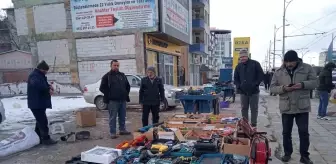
39	99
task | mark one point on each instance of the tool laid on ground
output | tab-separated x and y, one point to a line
139	141
123	145
159	148
146	128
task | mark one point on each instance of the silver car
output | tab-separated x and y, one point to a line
2	112
92	94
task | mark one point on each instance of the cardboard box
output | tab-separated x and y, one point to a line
240	149
196	134
102	155
86	118
148	134
187	117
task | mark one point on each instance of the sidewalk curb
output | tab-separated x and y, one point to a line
277	148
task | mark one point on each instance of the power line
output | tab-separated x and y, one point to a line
302	26
315	21
294	26
319	38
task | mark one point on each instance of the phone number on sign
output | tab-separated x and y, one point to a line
85	28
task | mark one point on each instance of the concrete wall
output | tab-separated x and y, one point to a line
92	71
15	60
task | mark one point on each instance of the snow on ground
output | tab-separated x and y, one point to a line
18	115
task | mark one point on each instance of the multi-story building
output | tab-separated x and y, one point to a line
222	48
200	48
79	38
322	58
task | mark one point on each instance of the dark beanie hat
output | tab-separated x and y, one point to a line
291	56
43	66
151	68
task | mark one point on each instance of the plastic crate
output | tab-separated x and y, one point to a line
211	159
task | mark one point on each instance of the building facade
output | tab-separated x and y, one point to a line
200	48
222	49
322	58
80	38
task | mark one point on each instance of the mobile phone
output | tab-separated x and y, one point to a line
290	85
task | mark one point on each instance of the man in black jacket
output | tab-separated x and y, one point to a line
39	99
115	87
324	88
247	77
150	95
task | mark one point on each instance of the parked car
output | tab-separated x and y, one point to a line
92	94
2	112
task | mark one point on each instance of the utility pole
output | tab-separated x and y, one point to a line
269	56
274	45
284	24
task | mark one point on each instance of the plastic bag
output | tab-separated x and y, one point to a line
332	98
20	141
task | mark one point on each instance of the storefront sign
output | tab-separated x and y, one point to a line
176	19
102	15
162	46
226	60
238	44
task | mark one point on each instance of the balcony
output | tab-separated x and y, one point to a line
199	3
198	24
198	48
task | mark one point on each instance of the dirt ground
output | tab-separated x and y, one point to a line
61	152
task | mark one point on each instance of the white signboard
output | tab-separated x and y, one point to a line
176	15
102	15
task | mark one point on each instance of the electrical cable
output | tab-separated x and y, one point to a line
295	27
315	21
318	39
303	26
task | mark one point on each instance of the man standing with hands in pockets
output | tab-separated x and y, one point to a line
150	95
293	82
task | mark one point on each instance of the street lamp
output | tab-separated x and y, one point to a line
286	4
275	32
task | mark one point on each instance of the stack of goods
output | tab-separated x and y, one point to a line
187	139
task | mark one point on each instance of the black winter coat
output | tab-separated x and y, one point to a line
38	95
325	78
151	93
248	76
115	87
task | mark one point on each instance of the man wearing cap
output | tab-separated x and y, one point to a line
116	88
293	82
39	99
150	95
247	77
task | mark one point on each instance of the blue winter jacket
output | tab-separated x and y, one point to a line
38	91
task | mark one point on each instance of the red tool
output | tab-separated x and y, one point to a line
123	145
260	150
141	139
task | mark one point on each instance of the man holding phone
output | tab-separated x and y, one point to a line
293	82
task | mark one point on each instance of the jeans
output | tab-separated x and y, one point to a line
302	121
41	126
117	108
324	100
155	109
251	102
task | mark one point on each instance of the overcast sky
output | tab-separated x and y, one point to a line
256	19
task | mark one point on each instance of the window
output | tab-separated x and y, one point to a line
166	68
132	80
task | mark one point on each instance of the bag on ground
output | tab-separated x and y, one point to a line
20	141
332	98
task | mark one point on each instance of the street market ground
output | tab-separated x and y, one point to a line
323	146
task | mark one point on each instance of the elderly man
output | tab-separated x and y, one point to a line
293	82
247	77
150	95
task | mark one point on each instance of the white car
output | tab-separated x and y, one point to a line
2	113
92	94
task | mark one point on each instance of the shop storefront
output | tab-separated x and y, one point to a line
164	56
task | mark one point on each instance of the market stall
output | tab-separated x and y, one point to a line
187	139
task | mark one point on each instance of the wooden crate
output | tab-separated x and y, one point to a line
196	134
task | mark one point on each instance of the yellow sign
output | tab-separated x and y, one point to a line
238	44
162	46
